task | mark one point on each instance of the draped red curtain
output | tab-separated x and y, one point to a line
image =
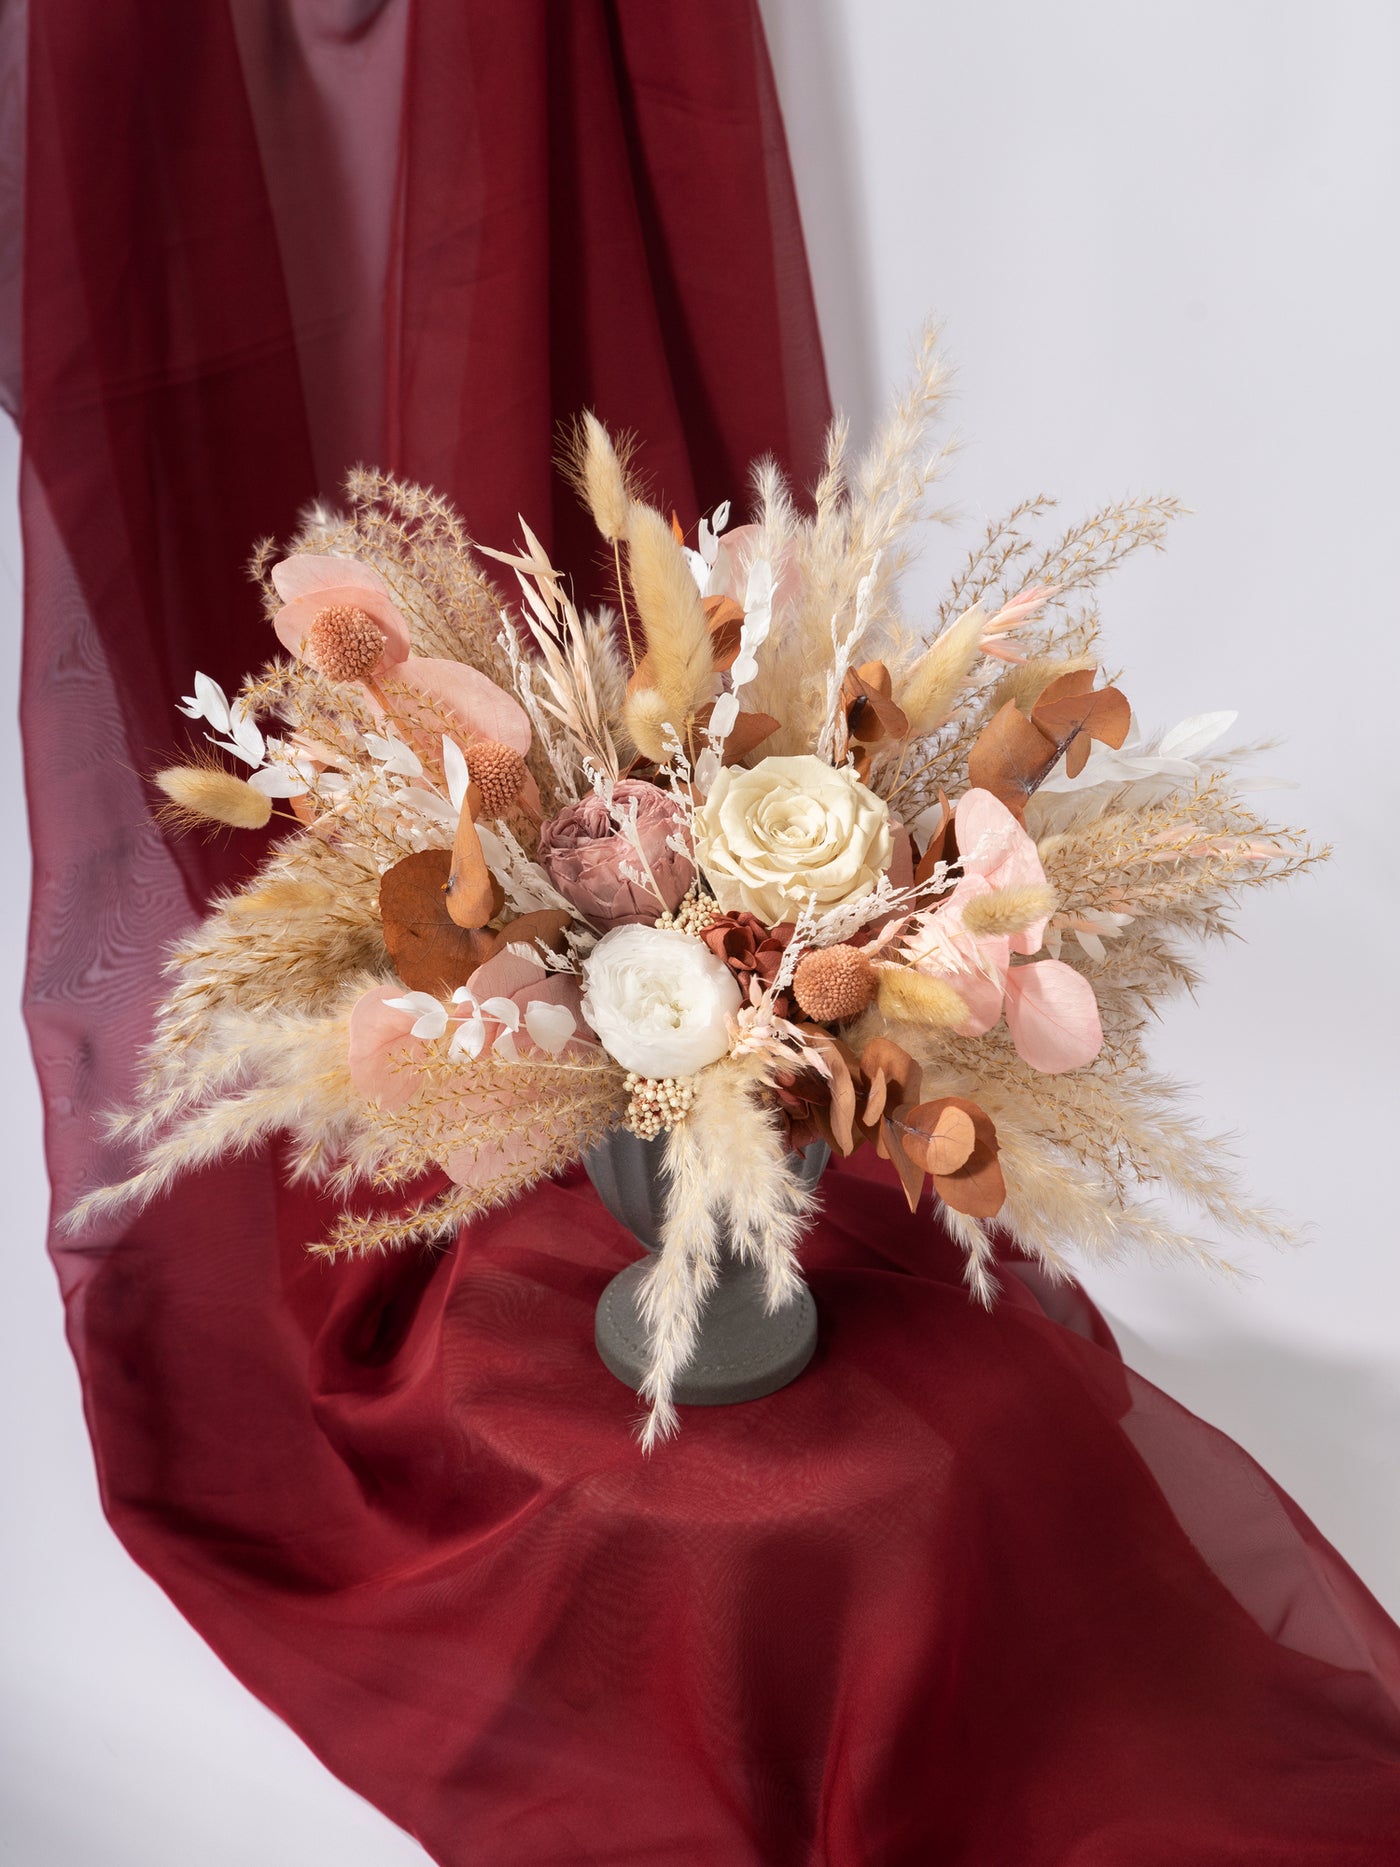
969	1591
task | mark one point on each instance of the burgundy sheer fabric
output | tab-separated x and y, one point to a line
969	1591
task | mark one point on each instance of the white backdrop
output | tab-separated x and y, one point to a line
1162	243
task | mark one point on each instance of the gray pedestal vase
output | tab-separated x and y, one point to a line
743	1351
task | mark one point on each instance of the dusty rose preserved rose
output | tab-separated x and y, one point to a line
584	854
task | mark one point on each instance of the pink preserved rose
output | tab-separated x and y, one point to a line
599	871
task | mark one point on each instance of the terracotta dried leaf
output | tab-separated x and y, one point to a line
473	895
430	952
838	1119
1072	713
871	714
748	732
892	1147
976	1187
892	1078
940	1136
942	845
544	927
726	620
1010	757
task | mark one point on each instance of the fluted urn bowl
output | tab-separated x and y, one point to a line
744	1351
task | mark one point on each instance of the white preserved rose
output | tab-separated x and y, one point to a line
770	838
659	1000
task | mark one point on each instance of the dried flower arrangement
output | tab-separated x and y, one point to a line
755	862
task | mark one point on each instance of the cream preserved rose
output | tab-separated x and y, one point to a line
789	830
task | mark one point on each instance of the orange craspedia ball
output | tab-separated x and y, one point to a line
498	773
344	642
834	984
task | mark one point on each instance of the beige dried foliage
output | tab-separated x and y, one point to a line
524	1120
1179	863
556	685
1079	1152
307	921
252	1074
609	671
989	571
645	717
255	1041
1096	546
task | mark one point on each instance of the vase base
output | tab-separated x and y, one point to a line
743	1352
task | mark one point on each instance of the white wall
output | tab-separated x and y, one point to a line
1163	243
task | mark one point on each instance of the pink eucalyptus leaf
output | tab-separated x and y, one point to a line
1031	939
1053	1016
981	995
468	697
304	573
993	844
293	622
383	1053
503	975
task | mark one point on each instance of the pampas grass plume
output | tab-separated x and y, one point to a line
909	997
208	794
1008	910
